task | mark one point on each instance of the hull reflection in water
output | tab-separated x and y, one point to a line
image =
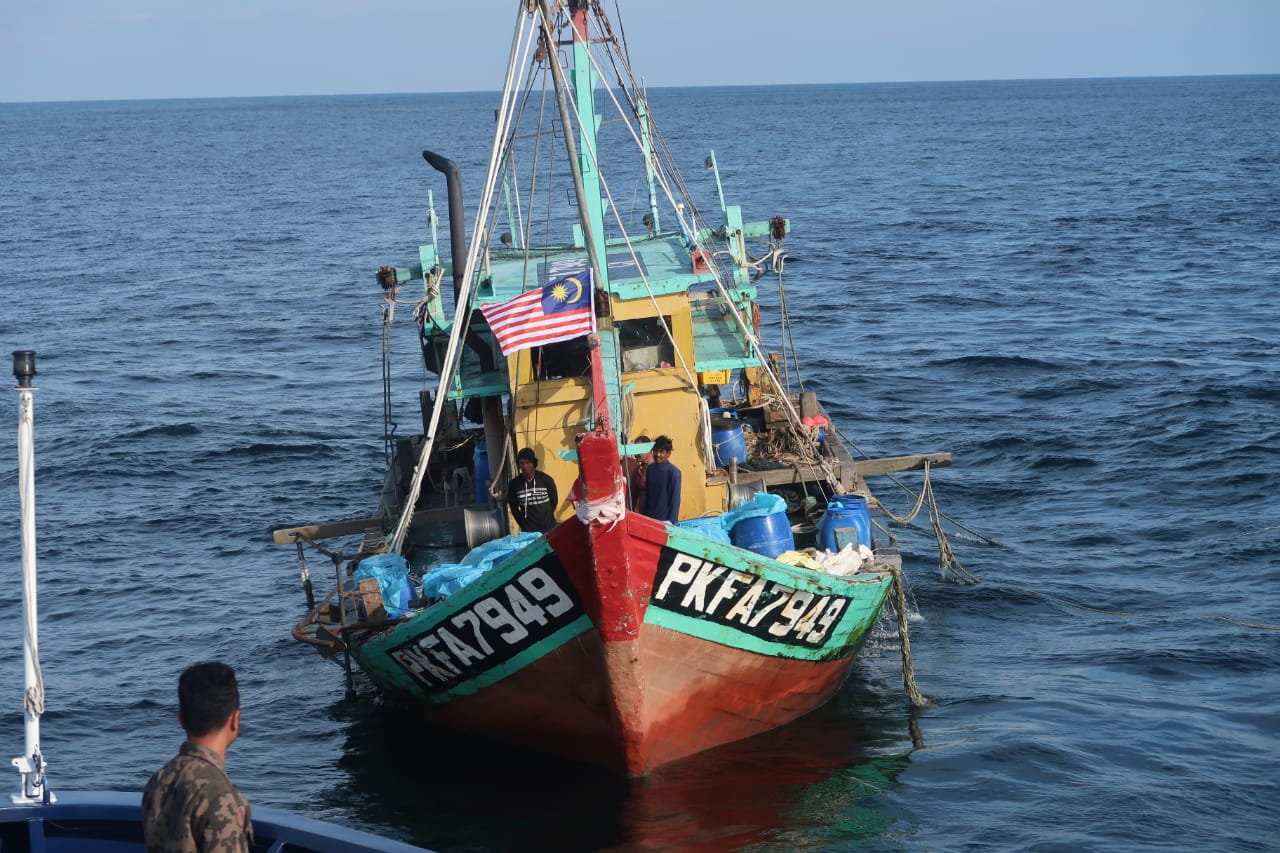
811	777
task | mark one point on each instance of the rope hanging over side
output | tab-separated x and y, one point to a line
946	557
908	670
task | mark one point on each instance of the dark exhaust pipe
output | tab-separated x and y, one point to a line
458	247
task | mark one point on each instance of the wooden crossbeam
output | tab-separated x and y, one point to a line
894	464
313	532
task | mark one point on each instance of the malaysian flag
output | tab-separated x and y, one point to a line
554	312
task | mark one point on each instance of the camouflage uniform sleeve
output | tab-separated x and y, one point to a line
227	826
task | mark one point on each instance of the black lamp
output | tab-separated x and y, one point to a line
24	366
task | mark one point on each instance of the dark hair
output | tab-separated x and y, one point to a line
207	696
527	453
662	443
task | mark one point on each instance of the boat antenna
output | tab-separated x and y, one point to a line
30	764
714	167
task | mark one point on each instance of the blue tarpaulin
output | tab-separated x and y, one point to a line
392	574
710	526
448	578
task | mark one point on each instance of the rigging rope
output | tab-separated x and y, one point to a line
691	382
777	256
977	537
946	557
690	229
521	42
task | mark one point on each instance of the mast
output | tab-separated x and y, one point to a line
583	165
586	185
588	170
31	763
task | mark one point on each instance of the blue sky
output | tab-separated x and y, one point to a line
107	49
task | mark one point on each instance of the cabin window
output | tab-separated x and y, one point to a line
645	344
563	360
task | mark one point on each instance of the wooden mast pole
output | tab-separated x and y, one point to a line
599	271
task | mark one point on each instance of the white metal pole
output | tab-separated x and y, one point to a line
31	763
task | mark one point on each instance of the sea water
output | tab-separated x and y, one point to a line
1072	286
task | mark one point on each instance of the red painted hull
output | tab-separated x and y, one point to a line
575	702
629	694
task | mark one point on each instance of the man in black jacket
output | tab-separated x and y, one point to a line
532	495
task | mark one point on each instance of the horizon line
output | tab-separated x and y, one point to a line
649	88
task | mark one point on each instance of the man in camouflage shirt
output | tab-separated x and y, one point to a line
190	805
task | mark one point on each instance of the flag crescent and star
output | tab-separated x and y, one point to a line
574	280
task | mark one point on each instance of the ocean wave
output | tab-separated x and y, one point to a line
998	363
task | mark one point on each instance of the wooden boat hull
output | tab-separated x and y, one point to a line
628	645
614	639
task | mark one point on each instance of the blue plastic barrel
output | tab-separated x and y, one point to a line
708	526
480	461
769	535
847	521
730	443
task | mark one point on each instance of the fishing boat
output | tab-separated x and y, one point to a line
35	818
729	598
